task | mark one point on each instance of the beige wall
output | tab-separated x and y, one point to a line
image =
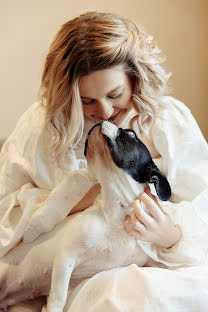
28	26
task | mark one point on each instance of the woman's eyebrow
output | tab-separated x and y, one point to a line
114	90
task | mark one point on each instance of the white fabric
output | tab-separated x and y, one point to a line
184	161
35	194
142	290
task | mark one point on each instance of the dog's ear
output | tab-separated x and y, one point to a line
161	184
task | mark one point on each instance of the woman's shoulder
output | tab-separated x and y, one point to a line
173	114
31	123
29	131
172	107
34	115
175	121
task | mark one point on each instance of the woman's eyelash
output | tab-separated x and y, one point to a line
115	96
88	102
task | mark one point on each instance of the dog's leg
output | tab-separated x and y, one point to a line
62	270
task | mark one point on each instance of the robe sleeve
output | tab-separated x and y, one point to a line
184	152
35	193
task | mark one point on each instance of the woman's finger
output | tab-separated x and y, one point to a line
152	206
137	224
129	229
143	217
137	207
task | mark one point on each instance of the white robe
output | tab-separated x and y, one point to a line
33	189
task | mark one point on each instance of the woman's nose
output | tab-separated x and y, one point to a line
105	109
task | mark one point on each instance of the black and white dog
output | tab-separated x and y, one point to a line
94	240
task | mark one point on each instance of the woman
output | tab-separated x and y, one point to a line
100	67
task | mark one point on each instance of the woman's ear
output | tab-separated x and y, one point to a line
161	184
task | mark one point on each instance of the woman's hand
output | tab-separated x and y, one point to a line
156	227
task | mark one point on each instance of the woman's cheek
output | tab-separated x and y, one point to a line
88	111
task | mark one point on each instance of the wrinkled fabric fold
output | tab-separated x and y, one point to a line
142	290
35	193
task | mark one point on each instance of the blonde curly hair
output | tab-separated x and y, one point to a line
90	42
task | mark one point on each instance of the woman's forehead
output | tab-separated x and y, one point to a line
102	82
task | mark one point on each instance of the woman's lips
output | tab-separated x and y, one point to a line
114	117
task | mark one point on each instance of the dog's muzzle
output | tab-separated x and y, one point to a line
108	129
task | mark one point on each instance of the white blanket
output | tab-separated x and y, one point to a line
134	289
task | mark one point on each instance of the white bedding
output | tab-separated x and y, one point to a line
134	289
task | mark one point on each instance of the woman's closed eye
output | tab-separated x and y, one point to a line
88	101
115	96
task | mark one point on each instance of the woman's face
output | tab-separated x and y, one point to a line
106	94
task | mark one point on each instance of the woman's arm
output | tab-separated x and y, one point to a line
87	200
184	161
35	193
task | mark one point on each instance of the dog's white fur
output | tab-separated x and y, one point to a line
83	244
